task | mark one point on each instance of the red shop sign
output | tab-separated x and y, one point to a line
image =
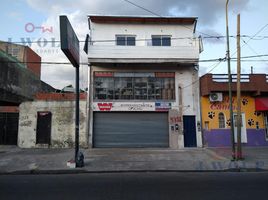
105	106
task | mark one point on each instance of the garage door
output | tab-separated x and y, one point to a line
130	130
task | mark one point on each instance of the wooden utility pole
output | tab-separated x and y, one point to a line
238	96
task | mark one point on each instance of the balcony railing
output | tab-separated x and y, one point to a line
144	54
224	77
255	84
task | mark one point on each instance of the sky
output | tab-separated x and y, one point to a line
20	19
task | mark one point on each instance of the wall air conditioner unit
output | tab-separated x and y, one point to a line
213	97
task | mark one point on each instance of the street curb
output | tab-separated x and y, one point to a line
215	155
28	172
83	171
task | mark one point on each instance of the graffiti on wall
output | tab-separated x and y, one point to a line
25	121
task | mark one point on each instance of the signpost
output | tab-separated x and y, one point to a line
69	41
70	47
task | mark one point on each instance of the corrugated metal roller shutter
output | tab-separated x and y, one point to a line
130	129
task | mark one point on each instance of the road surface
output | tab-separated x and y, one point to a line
147	186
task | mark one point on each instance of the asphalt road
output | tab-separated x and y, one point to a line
147	186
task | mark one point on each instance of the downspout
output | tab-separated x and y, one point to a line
88	103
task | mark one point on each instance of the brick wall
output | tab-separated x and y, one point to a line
59	96
31	58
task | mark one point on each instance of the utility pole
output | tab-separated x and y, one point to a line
229	82
238	119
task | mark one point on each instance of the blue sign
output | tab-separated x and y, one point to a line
162	106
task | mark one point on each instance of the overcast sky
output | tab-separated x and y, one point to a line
16	16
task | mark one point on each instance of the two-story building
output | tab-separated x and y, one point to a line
144	82
216	114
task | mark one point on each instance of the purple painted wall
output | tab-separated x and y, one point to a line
256	137
222	138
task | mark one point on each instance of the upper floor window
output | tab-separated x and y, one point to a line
134	86
161	40
125	40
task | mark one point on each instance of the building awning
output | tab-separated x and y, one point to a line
261	103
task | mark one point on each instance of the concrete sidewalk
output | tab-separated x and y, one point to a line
14	160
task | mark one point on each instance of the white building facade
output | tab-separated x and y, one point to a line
144	82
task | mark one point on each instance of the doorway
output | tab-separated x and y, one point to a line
9	128
189	128
43	132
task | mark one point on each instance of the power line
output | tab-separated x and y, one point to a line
212	68
142	39
254	51
143	8
251	38
232	59
85	63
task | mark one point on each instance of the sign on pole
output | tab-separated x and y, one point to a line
70	47
69	41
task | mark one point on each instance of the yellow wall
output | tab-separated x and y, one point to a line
211	110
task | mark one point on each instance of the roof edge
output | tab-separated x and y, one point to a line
142	19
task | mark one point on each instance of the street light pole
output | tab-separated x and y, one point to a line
239	145
229	82
77	92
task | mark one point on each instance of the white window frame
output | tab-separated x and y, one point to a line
221	113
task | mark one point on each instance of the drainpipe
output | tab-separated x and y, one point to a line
88	101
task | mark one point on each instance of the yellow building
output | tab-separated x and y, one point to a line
215	111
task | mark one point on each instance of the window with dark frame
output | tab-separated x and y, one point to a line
221	120
161	40
134	86
125	40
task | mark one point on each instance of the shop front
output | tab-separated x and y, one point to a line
132	110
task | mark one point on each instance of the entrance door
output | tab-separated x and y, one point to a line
189	131
243	128
43	132
9	128
2	128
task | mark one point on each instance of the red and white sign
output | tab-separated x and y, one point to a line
105	106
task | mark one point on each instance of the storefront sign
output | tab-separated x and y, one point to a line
165	74
123	106
136	106
162	106
223	105
103	74
105	106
